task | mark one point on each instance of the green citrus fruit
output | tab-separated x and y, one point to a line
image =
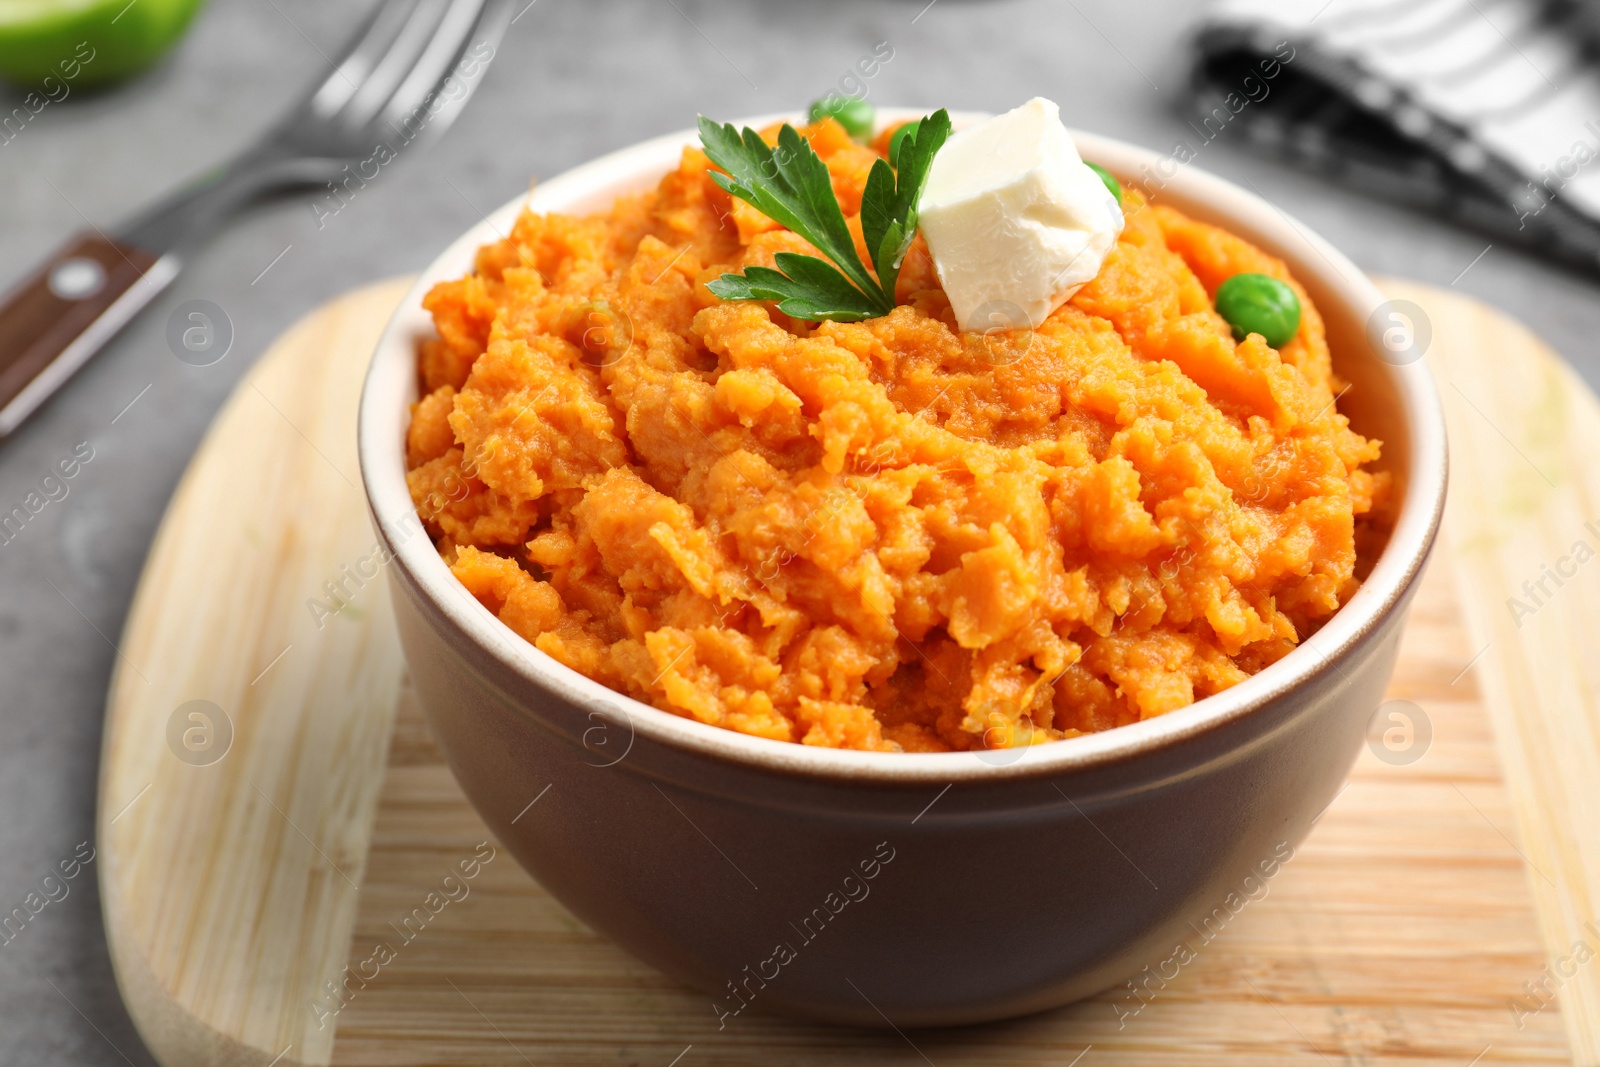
47	44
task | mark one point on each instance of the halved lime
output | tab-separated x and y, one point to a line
81	43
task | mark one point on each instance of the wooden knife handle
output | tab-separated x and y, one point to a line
55	320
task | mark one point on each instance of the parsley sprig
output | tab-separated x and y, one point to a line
791	186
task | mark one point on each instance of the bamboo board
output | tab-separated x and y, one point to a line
236	890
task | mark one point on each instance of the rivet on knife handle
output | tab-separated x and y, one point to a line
54	321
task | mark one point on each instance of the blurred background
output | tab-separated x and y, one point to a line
1429	139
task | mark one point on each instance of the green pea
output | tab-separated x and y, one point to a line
856	116
908	130
1105	176
1259	303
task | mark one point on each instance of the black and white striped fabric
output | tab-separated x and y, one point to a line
1486	111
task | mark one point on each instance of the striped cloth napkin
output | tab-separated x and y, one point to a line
1485	111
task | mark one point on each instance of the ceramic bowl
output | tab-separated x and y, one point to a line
905	889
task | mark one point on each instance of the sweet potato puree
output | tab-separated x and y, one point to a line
882	535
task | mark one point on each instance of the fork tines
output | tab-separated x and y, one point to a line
399	67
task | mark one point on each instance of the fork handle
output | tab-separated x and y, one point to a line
73	304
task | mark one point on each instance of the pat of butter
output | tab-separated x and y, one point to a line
1015	221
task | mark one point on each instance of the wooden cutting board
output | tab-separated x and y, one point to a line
293	828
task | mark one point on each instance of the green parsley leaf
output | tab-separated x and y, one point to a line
791	185
889	202
805	287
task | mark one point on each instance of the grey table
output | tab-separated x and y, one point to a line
572	80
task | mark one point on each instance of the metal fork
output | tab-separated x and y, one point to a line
404	78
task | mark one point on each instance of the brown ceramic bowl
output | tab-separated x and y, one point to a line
922	890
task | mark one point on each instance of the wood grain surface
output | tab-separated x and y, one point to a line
1403	931
1523	524
229	868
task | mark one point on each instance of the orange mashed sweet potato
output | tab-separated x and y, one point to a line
883	535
